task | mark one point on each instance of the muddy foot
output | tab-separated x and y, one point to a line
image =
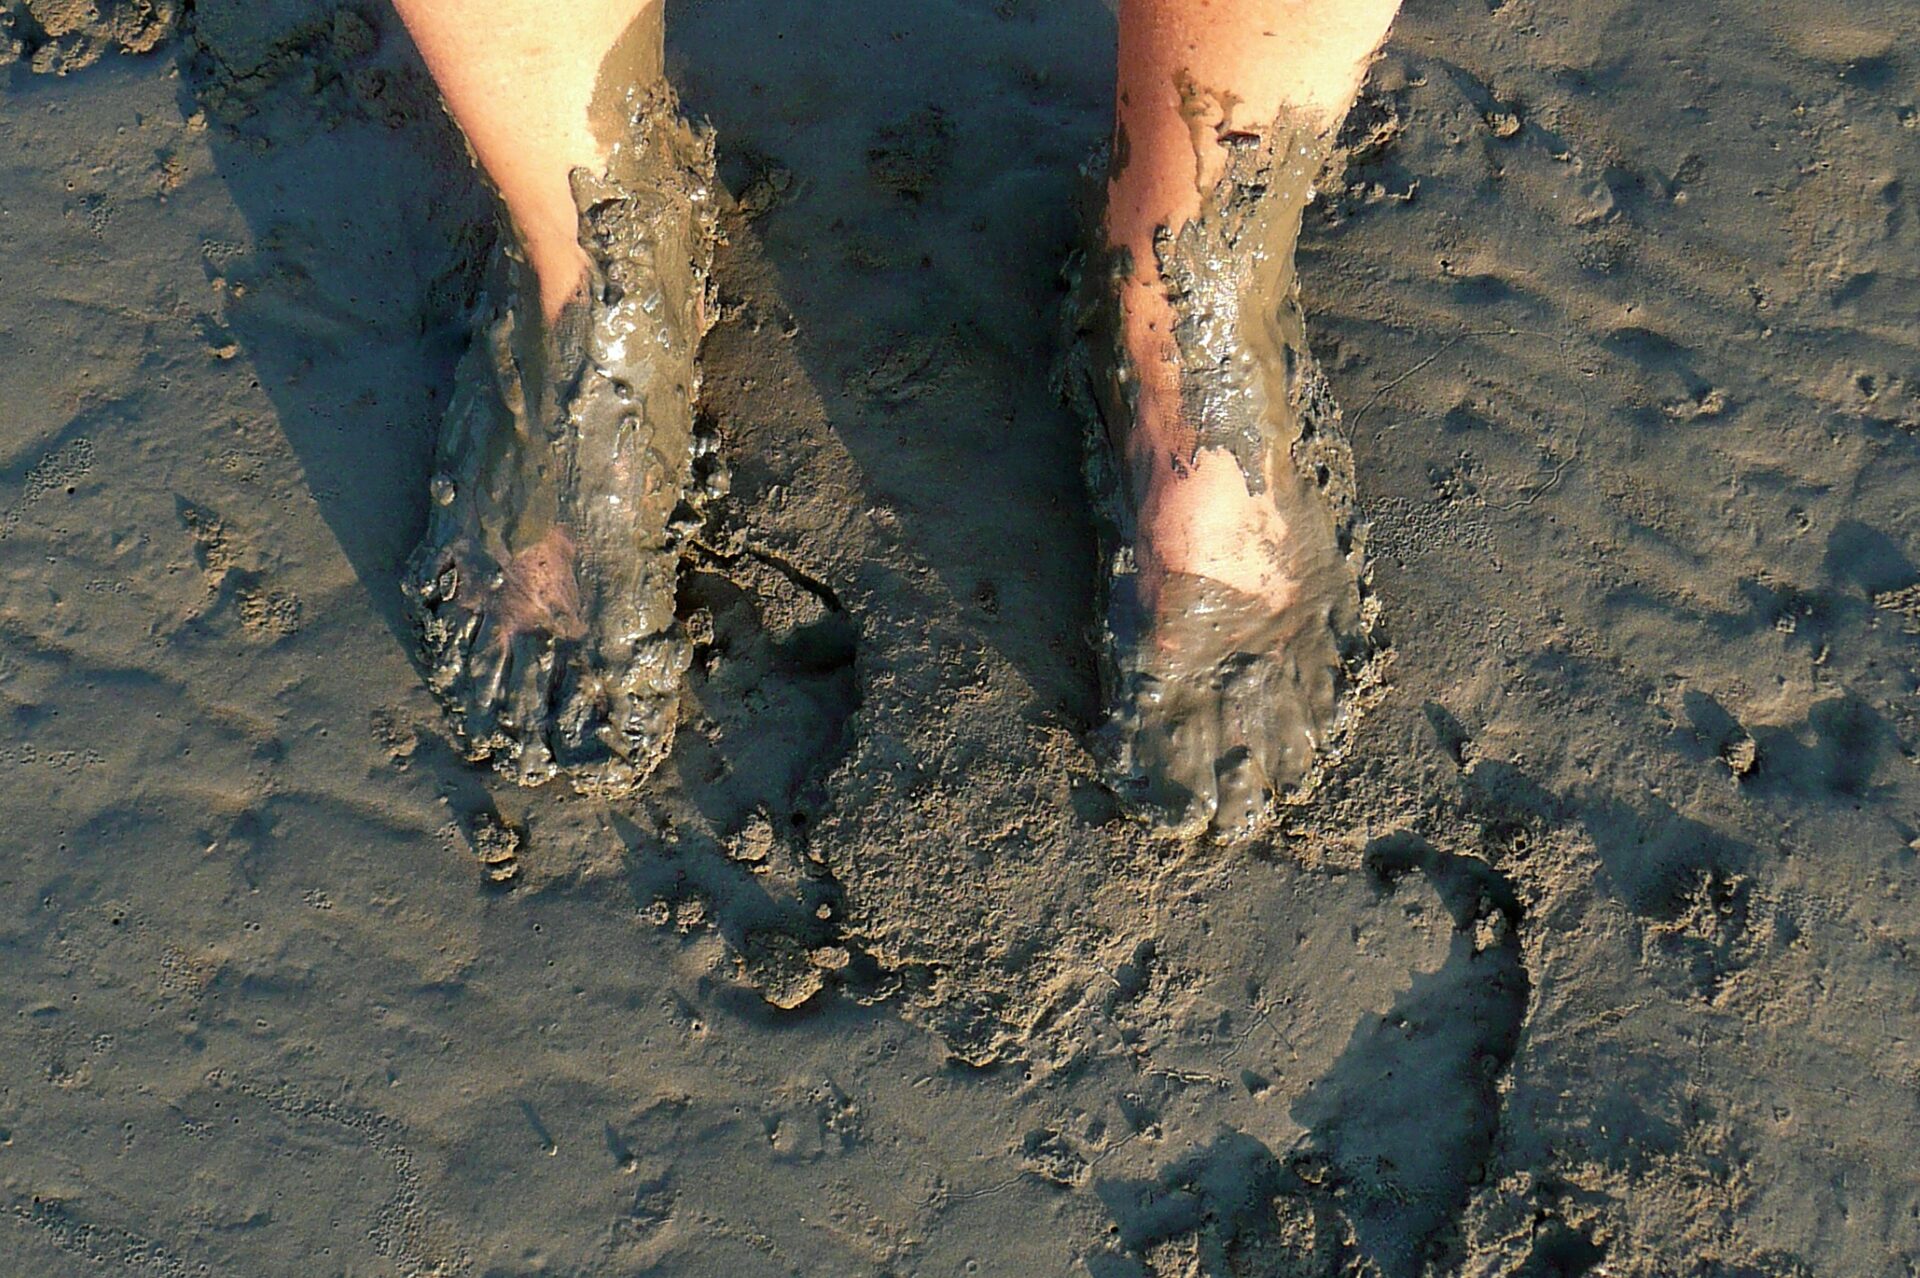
566	480
1220	702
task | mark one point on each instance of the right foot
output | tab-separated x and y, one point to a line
1234	626
544	588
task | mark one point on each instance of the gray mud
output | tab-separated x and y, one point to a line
1216	706
1593	954
544	589
62	36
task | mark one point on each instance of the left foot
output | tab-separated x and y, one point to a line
544	588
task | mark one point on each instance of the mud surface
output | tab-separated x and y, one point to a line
564	483
1592	954
59	36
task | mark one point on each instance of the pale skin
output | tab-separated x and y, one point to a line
519	76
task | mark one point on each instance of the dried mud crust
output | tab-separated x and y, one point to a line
1216	706
568	475
60	36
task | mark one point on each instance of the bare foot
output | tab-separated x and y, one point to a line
1234	623
544	588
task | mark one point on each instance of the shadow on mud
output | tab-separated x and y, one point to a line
1399	1130
369	232
917	225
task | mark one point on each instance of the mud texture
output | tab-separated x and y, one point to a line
1216	706
544	587
61	36
1593	954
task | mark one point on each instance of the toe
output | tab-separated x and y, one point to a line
1271	718
1245	796
577	714
1163	746
530	708
639	727
450	649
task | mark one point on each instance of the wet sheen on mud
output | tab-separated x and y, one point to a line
543	590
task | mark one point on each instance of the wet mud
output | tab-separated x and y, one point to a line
567	479
1593	952
1216	704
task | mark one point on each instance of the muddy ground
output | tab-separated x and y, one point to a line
1596	955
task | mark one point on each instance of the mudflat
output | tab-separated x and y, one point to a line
1592	952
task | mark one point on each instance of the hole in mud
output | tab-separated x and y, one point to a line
1561	1252
824	646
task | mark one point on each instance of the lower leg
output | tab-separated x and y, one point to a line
1194	74
534	86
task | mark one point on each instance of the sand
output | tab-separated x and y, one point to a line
1593	955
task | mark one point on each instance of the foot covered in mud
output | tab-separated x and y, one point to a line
1235	628
567	478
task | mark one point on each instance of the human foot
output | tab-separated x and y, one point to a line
544	588
1234	624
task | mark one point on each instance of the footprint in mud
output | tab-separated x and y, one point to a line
1397	1130
263	611
774	688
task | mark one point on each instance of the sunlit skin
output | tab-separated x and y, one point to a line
519	77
